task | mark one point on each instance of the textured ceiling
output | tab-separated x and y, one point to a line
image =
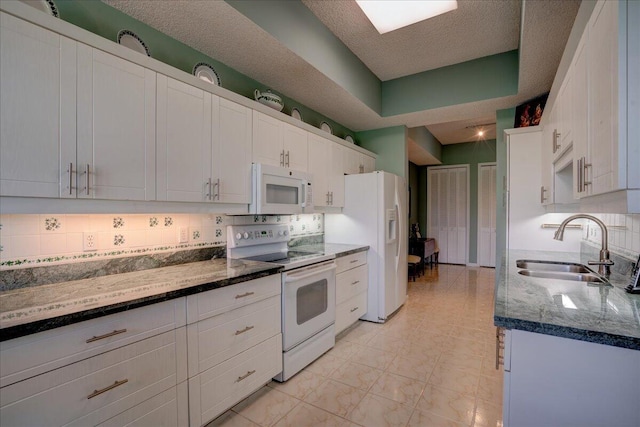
478	28
475	29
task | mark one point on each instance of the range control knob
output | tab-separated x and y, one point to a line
285	232
239	236
245	235
280	233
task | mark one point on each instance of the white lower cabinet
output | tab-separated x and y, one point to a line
93	390
552	381
351	289
234	344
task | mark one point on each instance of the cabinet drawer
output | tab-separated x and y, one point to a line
168	409
35	354
351	283
350	261
208	304
216	390
93	390
350	311
218	338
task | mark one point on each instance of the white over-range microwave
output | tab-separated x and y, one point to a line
278	190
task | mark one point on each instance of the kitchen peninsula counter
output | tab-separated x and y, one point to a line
34	309
587	312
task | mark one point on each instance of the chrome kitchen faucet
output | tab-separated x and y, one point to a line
604	264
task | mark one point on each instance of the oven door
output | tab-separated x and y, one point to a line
308	302
279	190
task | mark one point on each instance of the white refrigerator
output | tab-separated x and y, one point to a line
375	214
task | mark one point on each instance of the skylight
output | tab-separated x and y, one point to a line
389	15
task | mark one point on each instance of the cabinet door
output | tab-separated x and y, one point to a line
184	141
37	109
352	161
580	117
368	163
318	166
232	153
116	103
295	147
546	169
267	140
603	98
565	107
336	170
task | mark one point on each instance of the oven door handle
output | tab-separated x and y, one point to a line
308	272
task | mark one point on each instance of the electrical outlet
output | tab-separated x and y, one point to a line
184	235
89	242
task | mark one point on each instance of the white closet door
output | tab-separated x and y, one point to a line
448	210
487	215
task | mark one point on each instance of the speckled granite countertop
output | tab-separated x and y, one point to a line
35	309
337	249
600	314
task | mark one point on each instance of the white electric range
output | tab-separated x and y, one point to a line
308	291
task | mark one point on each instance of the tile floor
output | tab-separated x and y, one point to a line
431	364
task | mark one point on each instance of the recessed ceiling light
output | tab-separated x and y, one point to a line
480	133
389	15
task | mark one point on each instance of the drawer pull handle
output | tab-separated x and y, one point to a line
107	388
248	374
356	282
110	334
246	294
353	261
354	309
248	328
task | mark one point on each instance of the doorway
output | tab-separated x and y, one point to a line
487	214
448	211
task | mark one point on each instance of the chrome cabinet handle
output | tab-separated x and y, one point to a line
287	158
353	261
327	198
556	135
579	175
248	374
208	184
354	309
108	335
107	388
88	172
216	190
499	346
355	283
70	170
585	165
542	191
282	158
246	294
242	331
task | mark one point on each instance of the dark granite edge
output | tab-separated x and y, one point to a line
29	328
568	332
351	251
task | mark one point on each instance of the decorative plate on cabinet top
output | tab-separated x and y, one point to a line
326	127
269	99
295	113
46	6
131	40
205	72
349	138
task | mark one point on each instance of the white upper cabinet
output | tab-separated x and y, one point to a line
357	162
116	128
37	108
203	144
183	141
278	143
326	164
232	153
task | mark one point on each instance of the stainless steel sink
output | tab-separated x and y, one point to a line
560	271
565	267
558	275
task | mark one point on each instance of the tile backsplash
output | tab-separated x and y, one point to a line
40	240
624	233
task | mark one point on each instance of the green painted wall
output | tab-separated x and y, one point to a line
391	146
413	183
296	27
105	21
484	78
504	120
425	139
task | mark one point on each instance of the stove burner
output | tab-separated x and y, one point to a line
285	257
